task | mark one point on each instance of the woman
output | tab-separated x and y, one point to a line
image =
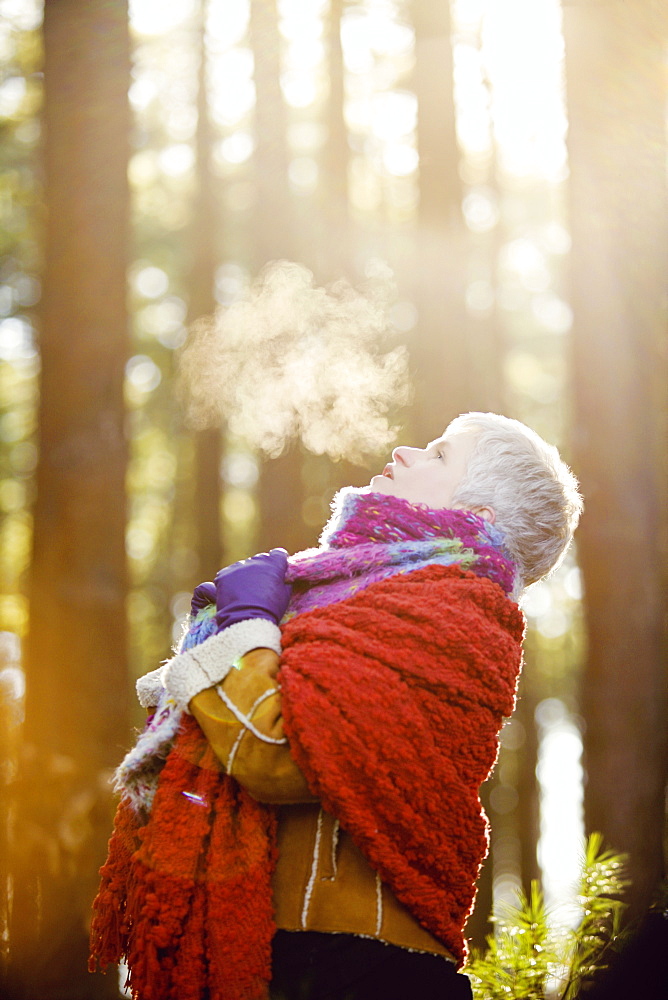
317	825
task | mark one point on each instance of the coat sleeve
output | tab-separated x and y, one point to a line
242	720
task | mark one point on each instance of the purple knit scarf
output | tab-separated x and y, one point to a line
371	536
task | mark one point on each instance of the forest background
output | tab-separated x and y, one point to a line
490	176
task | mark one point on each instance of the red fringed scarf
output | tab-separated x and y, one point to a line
186	896
392	703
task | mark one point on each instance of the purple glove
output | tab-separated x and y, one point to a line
203	594
253	588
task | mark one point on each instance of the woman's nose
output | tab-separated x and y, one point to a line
405	455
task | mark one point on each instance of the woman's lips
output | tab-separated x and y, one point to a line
387	471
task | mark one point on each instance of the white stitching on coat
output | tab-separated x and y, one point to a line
245	721
314	871
256	704
335	843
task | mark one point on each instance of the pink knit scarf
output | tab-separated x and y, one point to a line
371	536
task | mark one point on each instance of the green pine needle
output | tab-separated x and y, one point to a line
529	958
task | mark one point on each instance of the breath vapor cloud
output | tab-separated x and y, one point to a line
289	359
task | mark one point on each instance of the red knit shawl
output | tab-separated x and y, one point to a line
392	712
392	702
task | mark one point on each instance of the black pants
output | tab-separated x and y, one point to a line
308	965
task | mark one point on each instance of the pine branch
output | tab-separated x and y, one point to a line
602	879
526	952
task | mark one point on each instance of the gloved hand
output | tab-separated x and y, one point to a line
203	594
253	588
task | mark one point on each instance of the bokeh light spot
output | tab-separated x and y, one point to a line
151	282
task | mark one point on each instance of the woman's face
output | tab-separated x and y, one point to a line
428	475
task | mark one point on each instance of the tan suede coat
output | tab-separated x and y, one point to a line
322	881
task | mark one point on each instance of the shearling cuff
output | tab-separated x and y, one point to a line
209	663
149	688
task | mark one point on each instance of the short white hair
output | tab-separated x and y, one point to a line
532	491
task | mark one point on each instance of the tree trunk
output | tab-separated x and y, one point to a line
281	491
615	61
274	222
441	355
77	683
528	802
204	226
336	249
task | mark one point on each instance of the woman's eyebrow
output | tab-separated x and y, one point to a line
441	444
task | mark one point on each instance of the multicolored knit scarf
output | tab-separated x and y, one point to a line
186	891
370	537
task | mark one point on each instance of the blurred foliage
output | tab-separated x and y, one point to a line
20	208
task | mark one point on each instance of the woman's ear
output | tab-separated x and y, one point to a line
486	513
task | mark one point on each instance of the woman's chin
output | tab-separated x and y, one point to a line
381	484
